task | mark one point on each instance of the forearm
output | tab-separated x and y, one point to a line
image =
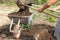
48	4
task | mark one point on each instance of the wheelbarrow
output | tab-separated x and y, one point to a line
21	23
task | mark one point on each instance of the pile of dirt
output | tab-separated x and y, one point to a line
24	12
43	32
38	32
20	13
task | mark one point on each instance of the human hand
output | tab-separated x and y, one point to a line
40	10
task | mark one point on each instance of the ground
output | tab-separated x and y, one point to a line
41	30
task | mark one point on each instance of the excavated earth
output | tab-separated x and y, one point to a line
41	30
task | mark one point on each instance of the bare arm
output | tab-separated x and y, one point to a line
48	4
52	2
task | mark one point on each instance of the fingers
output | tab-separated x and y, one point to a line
40	10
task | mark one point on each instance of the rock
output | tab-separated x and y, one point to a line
3	35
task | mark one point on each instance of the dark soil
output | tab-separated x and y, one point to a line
26	12
38	32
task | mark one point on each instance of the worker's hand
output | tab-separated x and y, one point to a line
40	10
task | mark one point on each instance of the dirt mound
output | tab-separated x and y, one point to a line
43	32
38	32
21	12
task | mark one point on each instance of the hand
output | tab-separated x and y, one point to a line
40	10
